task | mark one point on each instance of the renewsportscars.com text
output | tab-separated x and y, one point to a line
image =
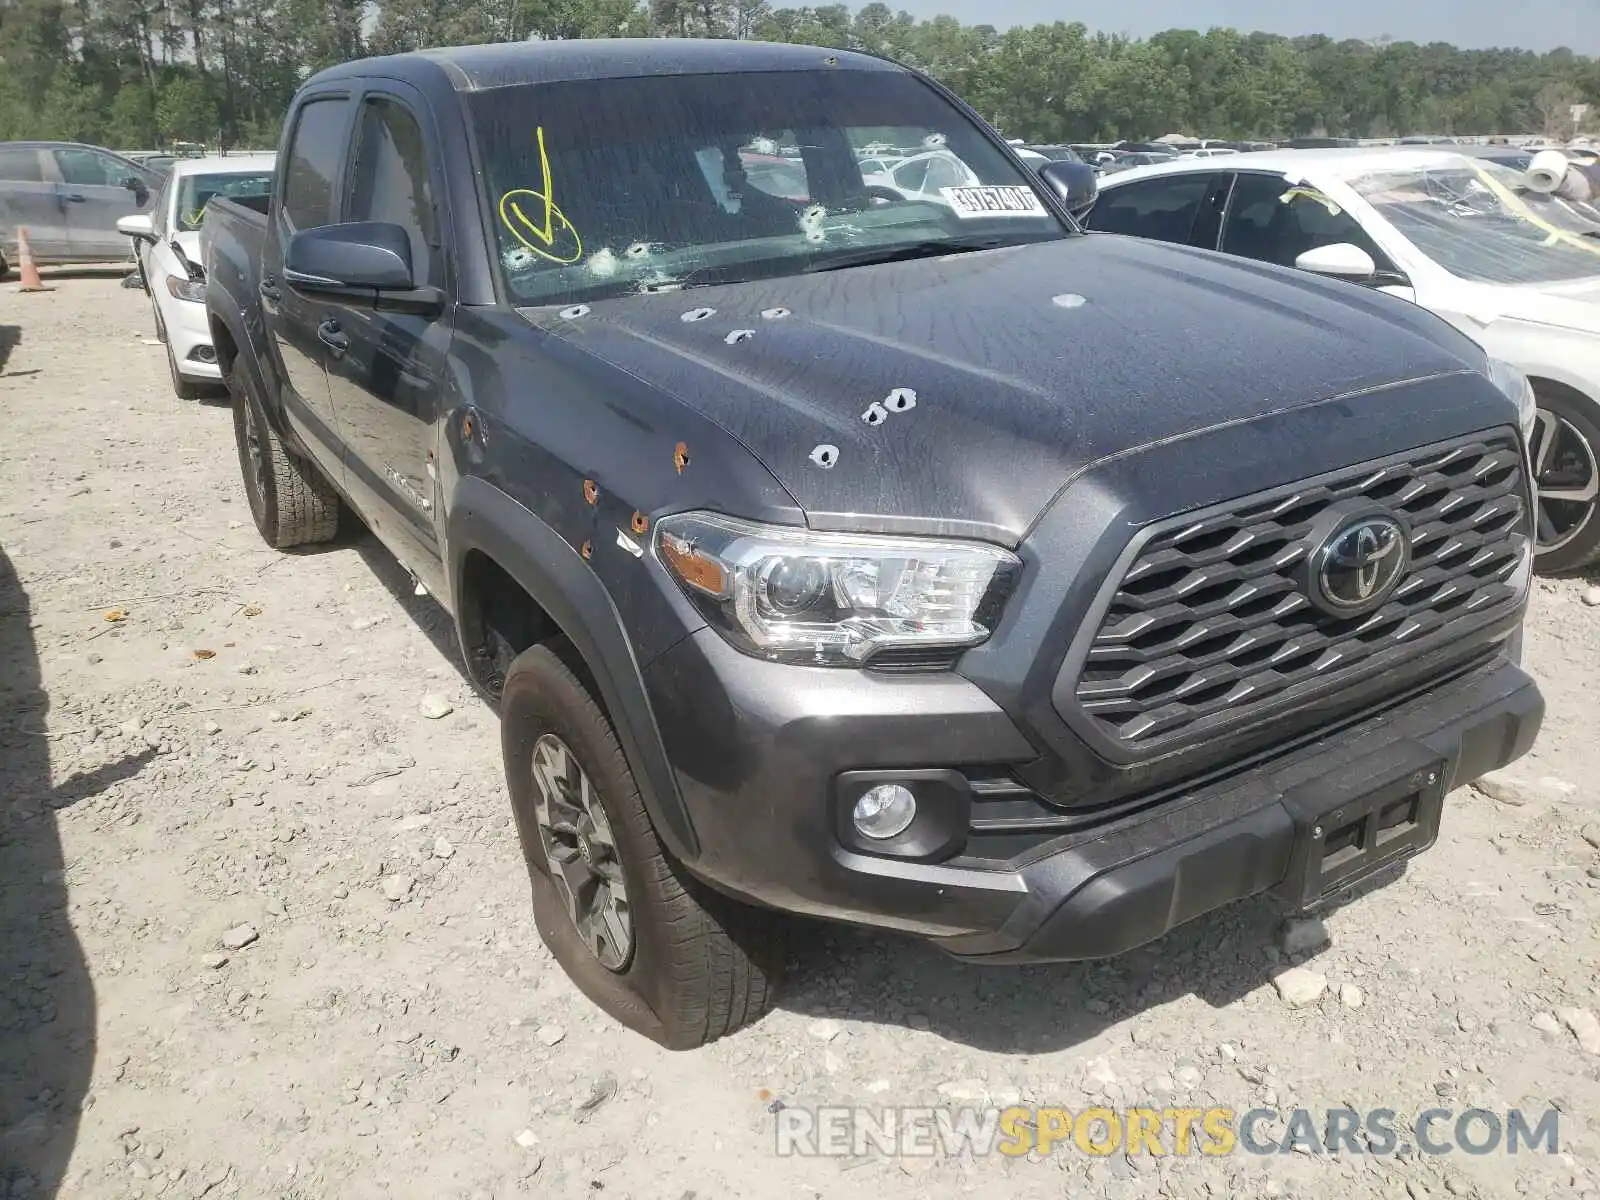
846	1132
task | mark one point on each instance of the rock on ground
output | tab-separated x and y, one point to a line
1300	986
435	707
1585	1027
1516	787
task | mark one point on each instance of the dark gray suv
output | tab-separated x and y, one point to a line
68	197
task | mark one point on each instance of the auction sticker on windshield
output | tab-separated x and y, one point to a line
994	200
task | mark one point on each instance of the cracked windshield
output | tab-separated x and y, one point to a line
199	190
1481	222
787	172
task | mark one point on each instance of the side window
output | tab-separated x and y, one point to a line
392	183
1164	208
313	164
1276	222
21	166
89	168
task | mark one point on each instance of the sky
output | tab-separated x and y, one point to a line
1472	24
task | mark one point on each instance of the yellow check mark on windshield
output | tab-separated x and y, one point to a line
546	232
539	235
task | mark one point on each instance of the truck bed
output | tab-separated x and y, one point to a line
231	237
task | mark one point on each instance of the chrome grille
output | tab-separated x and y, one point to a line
1211	621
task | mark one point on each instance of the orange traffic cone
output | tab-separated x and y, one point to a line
25	264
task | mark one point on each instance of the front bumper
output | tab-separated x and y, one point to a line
189	336
758	752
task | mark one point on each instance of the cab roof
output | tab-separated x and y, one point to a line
507	64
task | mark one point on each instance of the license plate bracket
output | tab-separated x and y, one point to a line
1351	826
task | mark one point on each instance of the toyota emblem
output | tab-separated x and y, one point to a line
1359	565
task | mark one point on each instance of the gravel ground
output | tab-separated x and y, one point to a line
264	926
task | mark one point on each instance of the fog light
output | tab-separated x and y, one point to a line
885	811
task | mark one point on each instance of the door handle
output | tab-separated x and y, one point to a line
329	335
76	197
268	287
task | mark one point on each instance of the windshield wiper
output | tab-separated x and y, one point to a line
906	251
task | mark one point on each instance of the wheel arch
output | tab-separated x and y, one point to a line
1545	382
493	541
227	346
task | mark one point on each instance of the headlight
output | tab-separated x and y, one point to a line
834	600
192	290
1515	385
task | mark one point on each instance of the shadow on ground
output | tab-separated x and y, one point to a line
10	338
47	1003
861	975
426	613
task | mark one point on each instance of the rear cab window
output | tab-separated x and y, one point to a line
606	187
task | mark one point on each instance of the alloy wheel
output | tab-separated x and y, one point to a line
1567	476
255	457
582	853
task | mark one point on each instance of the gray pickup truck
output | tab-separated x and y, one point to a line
908	559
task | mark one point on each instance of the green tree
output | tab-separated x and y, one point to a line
131	124
185	109
134	71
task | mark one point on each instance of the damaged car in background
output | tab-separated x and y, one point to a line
1510	257
816	554
167	245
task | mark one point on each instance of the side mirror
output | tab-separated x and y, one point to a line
359	256
1076	184
138	226
1342	260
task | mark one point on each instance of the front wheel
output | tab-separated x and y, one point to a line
1566	441
650	945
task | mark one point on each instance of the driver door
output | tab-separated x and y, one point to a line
94	188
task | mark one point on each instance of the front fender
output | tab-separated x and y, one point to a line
484	519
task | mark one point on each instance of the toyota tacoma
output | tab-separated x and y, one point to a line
901	557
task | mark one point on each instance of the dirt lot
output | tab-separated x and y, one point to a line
246	745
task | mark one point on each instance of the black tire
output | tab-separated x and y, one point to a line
290	502
701	965
1574	464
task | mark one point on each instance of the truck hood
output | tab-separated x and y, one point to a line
1000	374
